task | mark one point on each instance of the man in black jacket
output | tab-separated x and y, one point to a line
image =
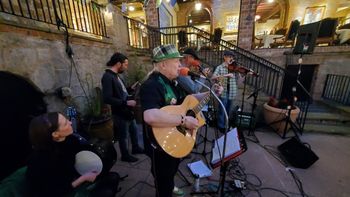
115	94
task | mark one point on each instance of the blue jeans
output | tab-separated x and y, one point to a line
221	116
122	128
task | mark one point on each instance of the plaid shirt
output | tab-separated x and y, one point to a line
226	82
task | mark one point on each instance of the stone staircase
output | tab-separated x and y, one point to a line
328	117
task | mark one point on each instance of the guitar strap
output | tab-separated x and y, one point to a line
169	94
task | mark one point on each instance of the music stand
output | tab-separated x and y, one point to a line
305	44
223	161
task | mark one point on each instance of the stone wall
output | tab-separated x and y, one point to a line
36	51
329	60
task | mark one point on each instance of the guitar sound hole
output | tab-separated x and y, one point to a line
190	113
181	129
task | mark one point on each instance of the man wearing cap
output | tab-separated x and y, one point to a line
159	90
229	83
191	61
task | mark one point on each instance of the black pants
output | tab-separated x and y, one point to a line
164	168
122	129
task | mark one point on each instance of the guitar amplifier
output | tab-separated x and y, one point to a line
242	120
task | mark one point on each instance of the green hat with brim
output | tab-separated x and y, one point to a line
164	52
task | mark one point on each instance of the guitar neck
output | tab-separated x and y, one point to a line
201	104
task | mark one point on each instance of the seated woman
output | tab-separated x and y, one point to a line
51	170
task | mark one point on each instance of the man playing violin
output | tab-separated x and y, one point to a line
226	77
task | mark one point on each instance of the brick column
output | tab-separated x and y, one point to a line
246	24
152	16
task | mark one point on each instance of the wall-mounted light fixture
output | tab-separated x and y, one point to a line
257	17
270	1
198	6
131	8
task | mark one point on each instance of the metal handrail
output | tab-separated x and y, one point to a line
337	89
77	15
271	75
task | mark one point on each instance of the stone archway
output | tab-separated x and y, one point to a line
206	8
20	101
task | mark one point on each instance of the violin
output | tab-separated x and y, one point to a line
233	67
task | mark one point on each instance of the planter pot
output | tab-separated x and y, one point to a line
101	129
272	115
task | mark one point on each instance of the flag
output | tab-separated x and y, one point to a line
172	2
158	2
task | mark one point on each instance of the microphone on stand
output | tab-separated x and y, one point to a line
183	71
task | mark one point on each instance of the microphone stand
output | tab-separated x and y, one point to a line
223	164
205	138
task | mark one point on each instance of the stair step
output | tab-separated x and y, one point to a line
328	116
327	129
338	106
327	119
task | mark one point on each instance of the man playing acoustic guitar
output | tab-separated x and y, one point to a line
169	127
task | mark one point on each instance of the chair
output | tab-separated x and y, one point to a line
281	31
289	37
343	34
257	44
327	31
345	26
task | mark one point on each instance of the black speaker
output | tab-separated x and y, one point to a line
306	40
297	154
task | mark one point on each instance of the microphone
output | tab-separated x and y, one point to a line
183	71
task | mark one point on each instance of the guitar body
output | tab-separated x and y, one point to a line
176	141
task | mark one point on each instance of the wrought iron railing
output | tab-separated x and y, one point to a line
211	51
79	15
337	89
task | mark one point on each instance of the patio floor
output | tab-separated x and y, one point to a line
259	168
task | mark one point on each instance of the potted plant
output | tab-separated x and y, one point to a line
275	113
97	120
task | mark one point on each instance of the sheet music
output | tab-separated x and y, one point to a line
200	169
232	146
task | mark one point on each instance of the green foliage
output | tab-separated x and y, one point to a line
96	109
96	102
137	74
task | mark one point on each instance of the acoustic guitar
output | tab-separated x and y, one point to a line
177	141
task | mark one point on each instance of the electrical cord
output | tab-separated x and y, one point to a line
69	51
279	157
254	184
